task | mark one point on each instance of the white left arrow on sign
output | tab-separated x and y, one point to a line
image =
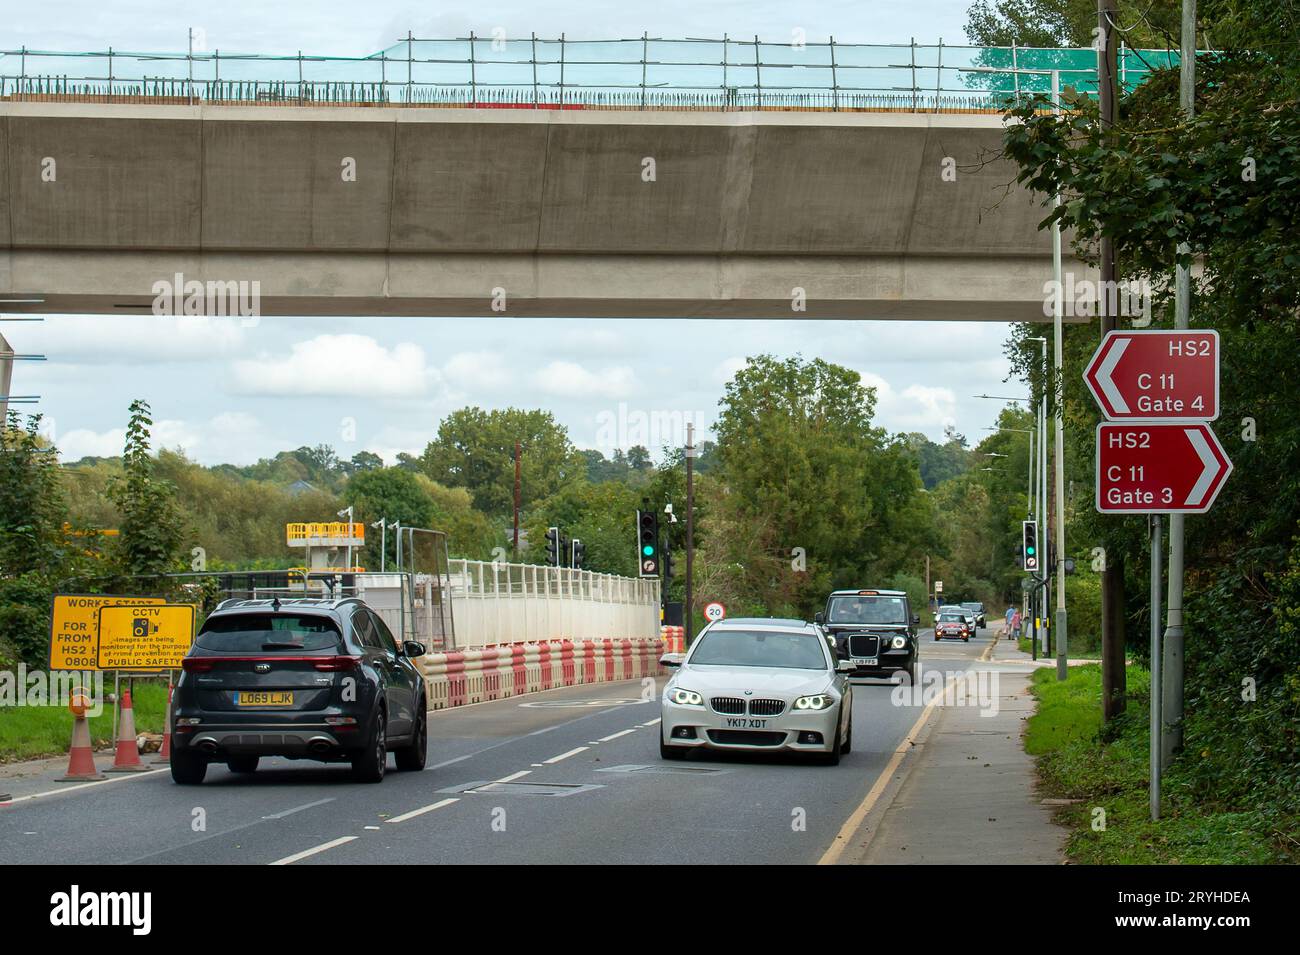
1106	369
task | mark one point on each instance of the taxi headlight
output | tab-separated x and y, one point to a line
683	697
900	642
818	701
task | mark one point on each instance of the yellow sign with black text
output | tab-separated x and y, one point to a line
74	628
145	638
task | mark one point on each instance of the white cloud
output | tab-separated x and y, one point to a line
570	380
476	370
136	339
917	407
83	442
354	366
726	369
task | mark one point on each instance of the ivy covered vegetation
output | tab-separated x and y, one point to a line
1226	185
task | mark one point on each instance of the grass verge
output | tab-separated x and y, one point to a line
1107	772
31	732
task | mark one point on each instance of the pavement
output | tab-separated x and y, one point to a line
573	776
970	796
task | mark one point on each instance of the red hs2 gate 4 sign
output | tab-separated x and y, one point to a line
1170	375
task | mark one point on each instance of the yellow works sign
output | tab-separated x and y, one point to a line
74	628
145	638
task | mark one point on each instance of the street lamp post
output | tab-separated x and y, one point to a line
382	525
348	513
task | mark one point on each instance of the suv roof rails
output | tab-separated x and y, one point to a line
277	600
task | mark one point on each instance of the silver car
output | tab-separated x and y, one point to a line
757	685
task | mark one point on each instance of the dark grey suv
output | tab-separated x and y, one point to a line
303	678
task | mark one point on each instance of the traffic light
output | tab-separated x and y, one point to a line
1030	543
668	564
579	553
647	554
553	546
1020	556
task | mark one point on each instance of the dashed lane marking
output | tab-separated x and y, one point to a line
573	752
513	776
290	812
315	850
606	739
654	722
421	811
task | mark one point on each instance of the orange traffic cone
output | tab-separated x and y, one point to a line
127	757
165	751
81	757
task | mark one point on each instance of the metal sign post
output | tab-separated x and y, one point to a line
1156	725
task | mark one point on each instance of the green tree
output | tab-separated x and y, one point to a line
475	449
810	495
1224	184
1053	23
392	493
152	538
34	549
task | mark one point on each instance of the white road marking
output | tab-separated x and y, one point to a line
290	812
513	776
323	847
421	811
606	739
572	752
67	789
654	722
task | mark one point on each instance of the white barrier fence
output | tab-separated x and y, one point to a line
498	603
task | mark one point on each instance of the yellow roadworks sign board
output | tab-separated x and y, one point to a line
145	638
74	628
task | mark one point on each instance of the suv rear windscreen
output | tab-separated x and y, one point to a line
263	633
868	609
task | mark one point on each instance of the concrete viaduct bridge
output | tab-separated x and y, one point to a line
723	211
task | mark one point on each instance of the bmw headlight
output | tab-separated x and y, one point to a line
818	701
900	642
683	697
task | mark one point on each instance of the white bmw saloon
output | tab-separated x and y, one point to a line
757	685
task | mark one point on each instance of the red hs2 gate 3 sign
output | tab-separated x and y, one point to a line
1158	468
1170	375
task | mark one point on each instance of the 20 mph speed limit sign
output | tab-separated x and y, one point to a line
714	612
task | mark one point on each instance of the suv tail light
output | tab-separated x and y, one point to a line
331	664
196	665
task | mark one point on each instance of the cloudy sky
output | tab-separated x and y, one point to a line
225	392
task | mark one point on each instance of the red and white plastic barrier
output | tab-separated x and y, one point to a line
674	639
459	677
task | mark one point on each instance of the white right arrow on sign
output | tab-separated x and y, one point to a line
1209	467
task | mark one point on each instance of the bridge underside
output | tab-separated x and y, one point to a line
578	286
352	211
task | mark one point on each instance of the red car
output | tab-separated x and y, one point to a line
951	625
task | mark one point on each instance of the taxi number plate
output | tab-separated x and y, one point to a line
265	698
742	723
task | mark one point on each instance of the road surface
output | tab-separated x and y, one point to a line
566	776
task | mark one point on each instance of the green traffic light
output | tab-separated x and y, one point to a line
1030	551
648	550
